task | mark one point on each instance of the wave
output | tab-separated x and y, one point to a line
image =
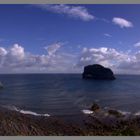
87	111
25	111
137	113
124	112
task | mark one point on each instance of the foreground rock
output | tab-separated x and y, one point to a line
110	126
108	122
115	113
13	123
95	107
98	72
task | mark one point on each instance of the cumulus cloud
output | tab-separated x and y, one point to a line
16	59
17	52
3	51
79	12
120	62
123	23
137	44
103	55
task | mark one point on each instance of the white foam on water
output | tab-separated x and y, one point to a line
124	112
25	111
87	111
137	114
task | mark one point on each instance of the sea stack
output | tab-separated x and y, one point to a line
98	72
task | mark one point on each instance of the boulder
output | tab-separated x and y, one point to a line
95	107
97	72
115	113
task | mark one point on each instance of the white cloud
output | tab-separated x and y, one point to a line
17	52
103	55
107	35
3	51
16	59
73	11
13	56
137	44
51	49
119	62
122	22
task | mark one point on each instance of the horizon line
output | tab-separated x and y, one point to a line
56	73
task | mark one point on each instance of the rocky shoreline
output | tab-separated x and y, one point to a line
13	123
99	123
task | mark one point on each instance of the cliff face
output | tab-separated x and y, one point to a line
98	72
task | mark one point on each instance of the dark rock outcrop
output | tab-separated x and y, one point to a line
95	107
115	113
98	72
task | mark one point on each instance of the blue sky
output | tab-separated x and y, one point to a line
65	38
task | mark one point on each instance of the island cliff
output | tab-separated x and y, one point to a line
97	72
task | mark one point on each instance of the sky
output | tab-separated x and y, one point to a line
63	38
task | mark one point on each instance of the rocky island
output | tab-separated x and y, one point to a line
98	72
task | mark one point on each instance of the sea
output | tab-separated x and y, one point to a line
68	95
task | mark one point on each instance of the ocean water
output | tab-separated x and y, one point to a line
66	95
